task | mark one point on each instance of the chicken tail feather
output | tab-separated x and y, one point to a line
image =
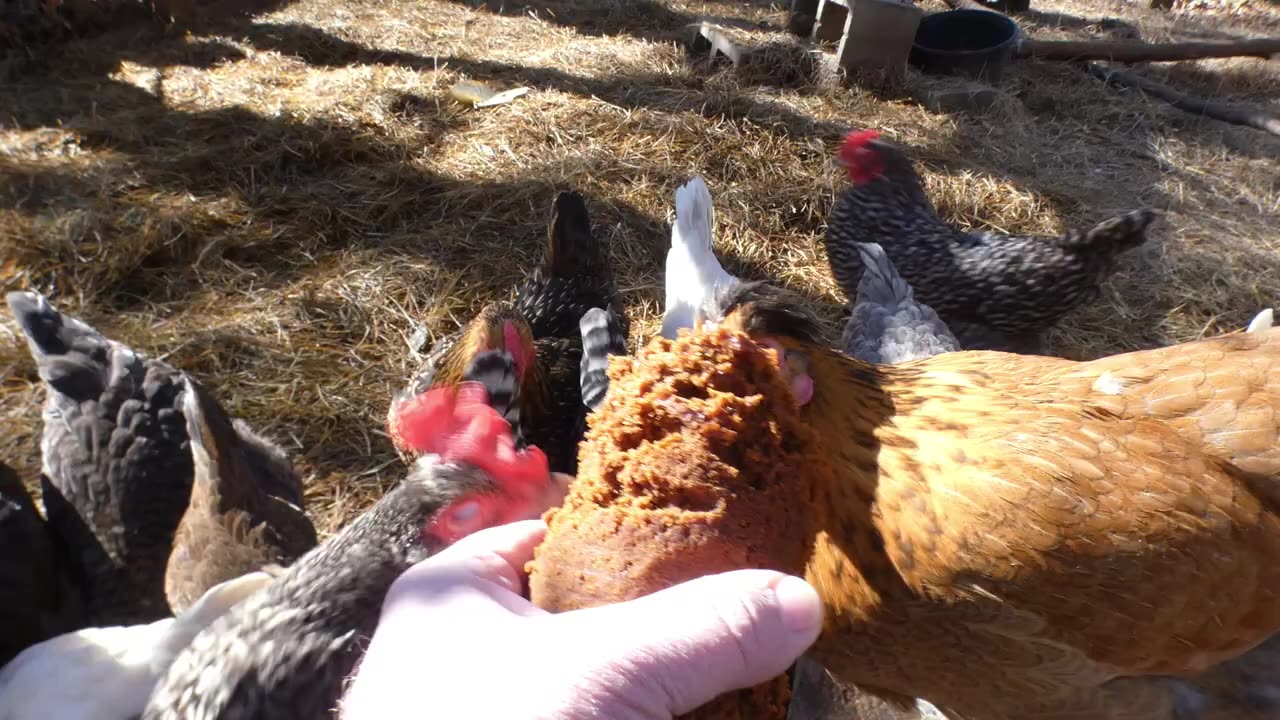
572	250
602	336
693	273
1261	321
1112	235
880	283
496	371
70	355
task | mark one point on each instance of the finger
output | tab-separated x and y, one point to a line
478	574
703	638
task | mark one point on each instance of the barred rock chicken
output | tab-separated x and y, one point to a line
38	599
118	462
285	653
887	325
115	457
107	673
246	508
539	329
995	291
1008	537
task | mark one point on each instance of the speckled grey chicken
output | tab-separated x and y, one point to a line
117	460
539	329
37	597
995	291
887	324
285	653
246	509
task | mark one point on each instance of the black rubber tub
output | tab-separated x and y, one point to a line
974	43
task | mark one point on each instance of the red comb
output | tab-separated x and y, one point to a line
460	426
861	162
857	138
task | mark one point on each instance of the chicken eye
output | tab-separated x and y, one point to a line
465	518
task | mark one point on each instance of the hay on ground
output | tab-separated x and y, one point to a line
279	203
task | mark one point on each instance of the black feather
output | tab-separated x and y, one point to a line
770	310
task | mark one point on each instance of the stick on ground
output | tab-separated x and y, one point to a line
1194	105
1138	51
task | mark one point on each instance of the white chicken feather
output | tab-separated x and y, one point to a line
107	673
694	275
1261	321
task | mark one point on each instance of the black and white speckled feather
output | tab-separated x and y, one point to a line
496	371
285	653
887	324
602	336
38	599
1012	284
116	458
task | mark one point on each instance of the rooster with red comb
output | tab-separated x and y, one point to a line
995	291
531	346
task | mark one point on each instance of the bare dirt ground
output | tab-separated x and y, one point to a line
277	203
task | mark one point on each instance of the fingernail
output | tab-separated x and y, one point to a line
799	604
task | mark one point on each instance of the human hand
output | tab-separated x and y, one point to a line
457	638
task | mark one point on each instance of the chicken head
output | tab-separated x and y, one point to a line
458	426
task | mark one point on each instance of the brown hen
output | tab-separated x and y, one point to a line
1010	537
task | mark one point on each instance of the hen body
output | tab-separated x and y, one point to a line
995	291
116	459
887	324
1029	538
246	507
286	652
539	329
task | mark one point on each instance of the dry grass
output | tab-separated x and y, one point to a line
276	203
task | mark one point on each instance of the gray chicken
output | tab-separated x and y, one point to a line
887	324
994	291
117	461
284	654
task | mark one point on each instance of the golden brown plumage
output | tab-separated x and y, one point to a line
1006	534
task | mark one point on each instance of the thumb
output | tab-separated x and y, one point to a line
695	641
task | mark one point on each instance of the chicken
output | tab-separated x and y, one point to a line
539	329
117	461
246	504
995	291
1004	536
1064	526
37	598
887	324
116	458
107	673
285	653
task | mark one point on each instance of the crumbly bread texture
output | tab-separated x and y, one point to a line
692	466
